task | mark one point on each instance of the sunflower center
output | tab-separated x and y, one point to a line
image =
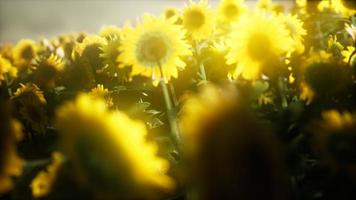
28	53
34	113
195	19
231	11
152	48
259	46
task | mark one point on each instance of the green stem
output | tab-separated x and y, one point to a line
280	86
199	62
172	118
8	85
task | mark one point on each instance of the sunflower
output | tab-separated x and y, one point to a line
334	137
110	32
347	53
198	20
154	48
100	92
257	41
89	130
47	70
296	30
10	162
43	182
31	104
6	68
336	6
230	10
89	51
24	53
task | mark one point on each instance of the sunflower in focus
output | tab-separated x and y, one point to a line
31	103
198	20
47	70
255	42
230	10
42	184
296	30
6	68
100	92
154	48
109	138
24	53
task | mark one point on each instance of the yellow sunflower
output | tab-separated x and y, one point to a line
31	104
10	162
336	6
110	138
334	135
198	20
110	32
43	182
255	42
24	53
347	53
100	92
230	10
6	68
154	48
89	50
296	30
47	70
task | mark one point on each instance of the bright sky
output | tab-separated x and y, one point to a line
36	18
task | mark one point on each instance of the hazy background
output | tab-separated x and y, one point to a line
46	18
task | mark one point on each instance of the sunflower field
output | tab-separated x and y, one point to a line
198	103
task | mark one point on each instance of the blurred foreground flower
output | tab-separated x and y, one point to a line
230	156
10	163
109	150
335	138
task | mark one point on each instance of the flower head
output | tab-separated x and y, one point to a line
118	144
6	68
24	53
198	20
231	10
47	70
296	30
255	41
154	48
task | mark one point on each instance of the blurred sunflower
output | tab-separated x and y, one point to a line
198	20
43	182
154	48
337	6
89	50
225	145
24	53
257	41
10	162
230	10
110	32
296	30
348	53
100	145
306	93
47	70
6	68
335	138
173	13
30	101
102	93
